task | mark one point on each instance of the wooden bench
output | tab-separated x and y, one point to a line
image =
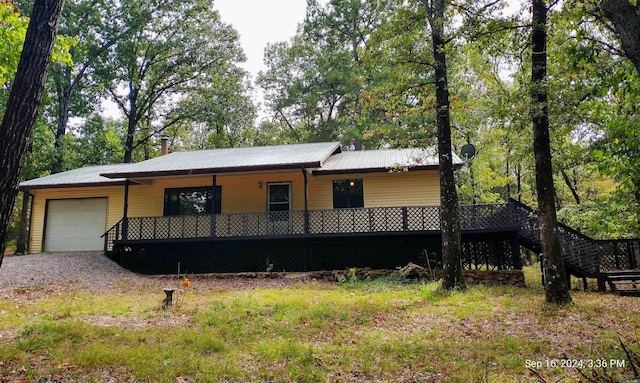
623	282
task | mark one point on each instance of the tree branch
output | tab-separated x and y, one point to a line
117	100
164	127
295	133
629	357
416	62
570	185
553	4
470	11
500	29
609	47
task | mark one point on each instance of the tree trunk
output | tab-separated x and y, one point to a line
21	245
519	182
449	216
63	120
23	103
625	18
636	194
508	180
132	121
556	286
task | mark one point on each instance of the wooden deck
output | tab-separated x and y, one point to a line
491	235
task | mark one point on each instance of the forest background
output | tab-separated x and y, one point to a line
360	72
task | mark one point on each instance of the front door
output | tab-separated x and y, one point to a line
279	207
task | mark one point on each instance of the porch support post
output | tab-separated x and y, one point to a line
214	181
125	222
306	220
602	285
306	202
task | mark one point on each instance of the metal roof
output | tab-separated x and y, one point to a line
382	160
321	158
87	176
250	158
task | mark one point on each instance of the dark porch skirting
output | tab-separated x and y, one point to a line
493	251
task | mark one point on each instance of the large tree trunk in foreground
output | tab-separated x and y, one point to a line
449	216
556	285
23	103
625	19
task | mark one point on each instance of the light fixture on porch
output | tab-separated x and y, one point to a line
259	184
352	183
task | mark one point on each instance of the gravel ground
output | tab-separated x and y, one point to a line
47	269
92	271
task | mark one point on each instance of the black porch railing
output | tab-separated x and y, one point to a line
112	235
301	223
620	254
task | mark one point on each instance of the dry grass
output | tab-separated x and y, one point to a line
376	331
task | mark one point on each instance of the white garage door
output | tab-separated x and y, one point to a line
75	224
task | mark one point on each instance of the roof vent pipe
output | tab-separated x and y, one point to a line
164	145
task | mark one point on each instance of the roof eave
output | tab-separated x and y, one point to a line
204	171
371	170
70	185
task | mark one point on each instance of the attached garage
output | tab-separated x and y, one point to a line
75	224
72	209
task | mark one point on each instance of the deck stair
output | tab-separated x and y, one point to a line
623	282
614	261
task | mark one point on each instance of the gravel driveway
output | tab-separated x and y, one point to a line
92	271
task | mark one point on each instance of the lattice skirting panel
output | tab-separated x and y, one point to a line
620	255
377	252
